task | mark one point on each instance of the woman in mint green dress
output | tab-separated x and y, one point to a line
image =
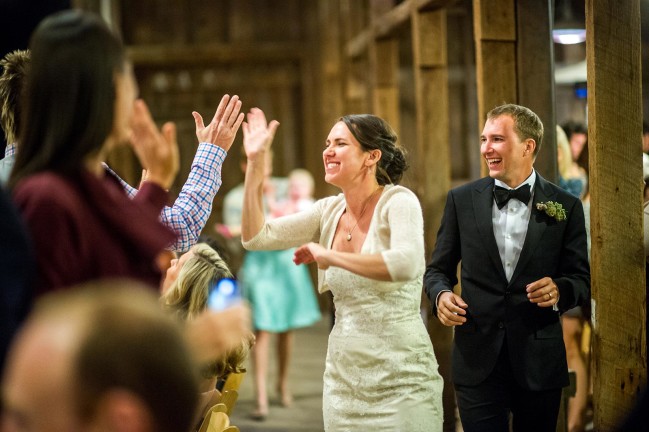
280	293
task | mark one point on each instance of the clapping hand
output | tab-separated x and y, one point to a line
225	123
156	151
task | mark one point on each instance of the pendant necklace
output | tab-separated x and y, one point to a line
367	201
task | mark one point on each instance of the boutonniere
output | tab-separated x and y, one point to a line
552	209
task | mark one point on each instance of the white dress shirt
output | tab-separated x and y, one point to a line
510	226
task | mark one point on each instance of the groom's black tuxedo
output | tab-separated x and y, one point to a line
499	311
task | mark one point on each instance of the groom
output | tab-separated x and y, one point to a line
522	265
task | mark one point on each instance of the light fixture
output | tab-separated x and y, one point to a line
569	26
569	36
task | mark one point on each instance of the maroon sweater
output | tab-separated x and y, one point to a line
84	227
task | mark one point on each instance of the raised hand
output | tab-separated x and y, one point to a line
156	151
225	123
258	133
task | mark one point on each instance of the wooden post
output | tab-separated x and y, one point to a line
617	258
384	66
355	68
535	70
429	33
385	91
333	75
494	23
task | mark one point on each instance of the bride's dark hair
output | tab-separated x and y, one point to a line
374	133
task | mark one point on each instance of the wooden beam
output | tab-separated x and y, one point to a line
430	58
613	55
244	52
385	90
494	23
535	70
388	23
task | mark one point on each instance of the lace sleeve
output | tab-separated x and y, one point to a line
405	258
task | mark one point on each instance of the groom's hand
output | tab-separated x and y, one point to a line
451	309
544	292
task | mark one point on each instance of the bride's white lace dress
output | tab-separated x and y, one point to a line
381	372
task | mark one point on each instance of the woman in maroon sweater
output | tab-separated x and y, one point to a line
79	104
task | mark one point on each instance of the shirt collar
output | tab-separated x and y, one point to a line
529	180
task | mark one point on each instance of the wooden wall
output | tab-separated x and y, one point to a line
186	55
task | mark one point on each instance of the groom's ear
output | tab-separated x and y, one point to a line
530	146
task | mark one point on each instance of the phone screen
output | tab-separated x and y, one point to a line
223	294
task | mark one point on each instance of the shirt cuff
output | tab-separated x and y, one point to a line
437	299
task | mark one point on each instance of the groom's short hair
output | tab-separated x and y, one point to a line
527	124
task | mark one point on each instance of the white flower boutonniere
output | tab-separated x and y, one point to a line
553	209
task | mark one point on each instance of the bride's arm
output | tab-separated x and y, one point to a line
369	266
257	138
402	261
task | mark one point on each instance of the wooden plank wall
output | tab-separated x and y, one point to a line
617	258
186	55
515	64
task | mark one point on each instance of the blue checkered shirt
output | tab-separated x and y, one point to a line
192	208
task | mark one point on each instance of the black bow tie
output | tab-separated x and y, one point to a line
502	195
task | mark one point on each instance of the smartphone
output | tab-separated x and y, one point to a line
223	294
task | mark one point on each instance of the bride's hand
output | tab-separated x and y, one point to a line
257	133
312	252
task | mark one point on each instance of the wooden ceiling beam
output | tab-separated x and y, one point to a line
390	22
154	55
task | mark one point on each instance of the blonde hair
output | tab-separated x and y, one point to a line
303	176
564	156
187	296
231	362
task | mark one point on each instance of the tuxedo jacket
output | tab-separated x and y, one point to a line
498	311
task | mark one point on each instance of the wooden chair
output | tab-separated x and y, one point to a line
229	399
233	381
215	421
219	407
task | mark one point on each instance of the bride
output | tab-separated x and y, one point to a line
381	372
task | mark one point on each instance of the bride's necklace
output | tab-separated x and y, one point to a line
367	201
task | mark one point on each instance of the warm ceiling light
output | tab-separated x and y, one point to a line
569	36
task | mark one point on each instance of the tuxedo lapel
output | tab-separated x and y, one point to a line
535	228
482	195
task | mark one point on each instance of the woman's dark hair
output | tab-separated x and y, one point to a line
69	97
374	133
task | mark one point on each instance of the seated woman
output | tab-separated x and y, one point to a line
185	292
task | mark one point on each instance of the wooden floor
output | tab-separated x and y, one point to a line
306	383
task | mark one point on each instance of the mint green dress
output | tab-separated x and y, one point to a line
280	293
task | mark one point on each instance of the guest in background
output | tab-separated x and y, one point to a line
572	177
577	134
280	293
572	180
